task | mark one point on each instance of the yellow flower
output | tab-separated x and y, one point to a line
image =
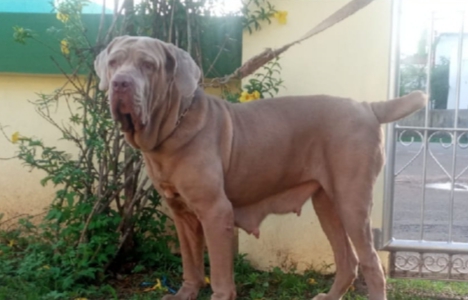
81	298
207	280
247	97
63	17
281	16
15	137
311	281
256	95
46	267
64	47
243	97
11	243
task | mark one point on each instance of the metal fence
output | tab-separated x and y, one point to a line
426	178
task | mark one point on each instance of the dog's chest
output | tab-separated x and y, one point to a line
160	178
169	191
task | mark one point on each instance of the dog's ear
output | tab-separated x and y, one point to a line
182	68
100	64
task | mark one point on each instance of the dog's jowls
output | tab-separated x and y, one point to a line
220	165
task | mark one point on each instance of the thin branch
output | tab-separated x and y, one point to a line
9	158
2	130
101	22
132	203
189	27
127	180
221	49
114	21
122	241
199	53
78	88
171	23
145	198
63	130
116	7
100	202
21	215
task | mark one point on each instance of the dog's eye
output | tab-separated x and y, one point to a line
112	63
148	65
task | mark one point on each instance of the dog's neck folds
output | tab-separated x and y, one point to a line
165	121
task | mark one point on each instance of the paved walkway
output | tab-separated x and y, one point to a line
408	194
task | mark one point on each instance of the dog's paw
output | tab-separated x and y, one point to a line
180	296
322	297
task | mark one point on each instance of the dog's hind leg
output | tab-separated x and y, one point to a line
345	258
354	204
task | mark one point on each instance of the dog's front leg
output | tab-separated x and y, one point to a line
218	225
190	234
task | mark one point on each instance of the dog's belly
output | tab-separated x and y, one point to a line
250	216
254	177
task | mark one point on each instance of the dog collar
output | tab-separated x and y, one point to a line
179	120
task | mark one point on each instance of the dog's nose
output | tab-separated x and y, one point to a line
121	83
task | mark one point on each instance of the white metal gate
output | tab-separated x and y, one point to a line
426	178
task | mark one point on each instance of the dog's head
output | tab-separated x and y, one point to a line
141	74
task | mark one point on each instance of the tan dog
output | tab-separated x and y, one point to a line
221	165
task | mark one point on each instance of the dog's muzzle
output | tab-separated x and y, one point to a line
122	101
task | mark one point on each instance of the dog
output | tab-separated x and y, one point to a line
220	165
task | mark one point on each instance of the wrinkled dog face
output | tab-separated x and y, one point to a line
139	74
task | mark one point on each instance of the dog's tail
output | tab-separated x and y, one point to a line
392	110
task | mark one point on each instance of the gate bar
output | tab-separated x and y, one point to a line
455	136
430	54
430	128
427	247
390	145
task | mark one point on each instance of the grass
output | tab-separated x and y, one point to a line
251	284
297	287
402	289
32	283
